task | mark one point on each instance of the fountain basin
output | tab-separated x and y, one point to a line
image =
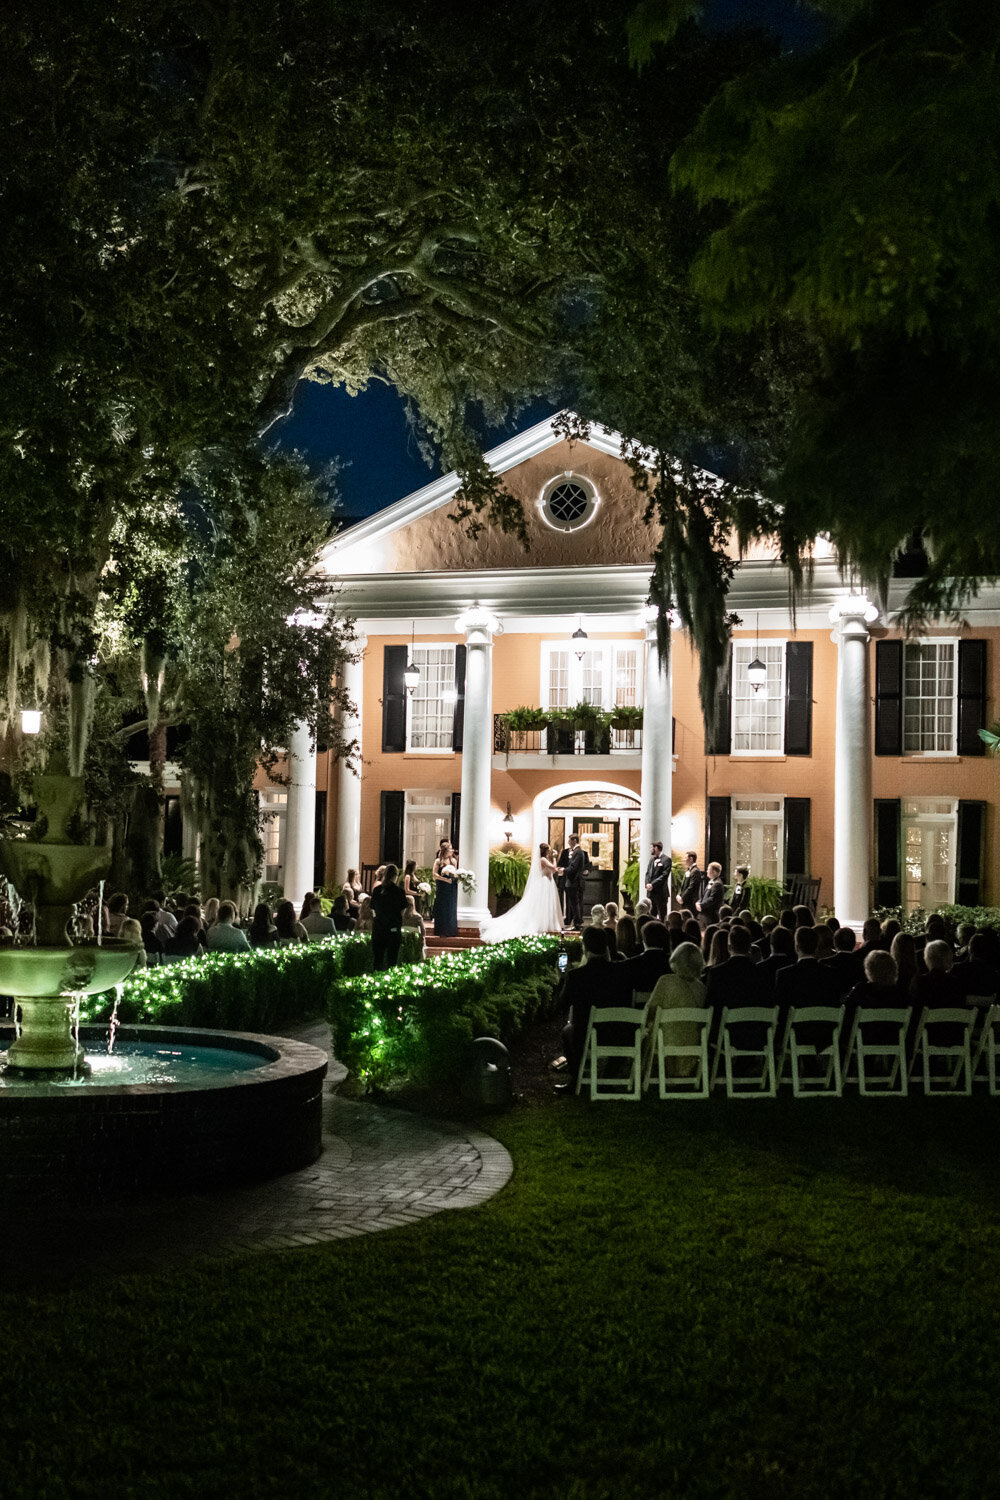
72	1140
31	972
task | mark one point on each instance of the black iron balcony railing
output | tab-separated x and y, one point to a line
556	739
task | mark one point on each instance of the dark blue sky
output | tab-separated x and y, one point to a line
368	435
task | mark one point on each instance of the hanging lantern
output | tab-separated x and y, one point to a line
508	824
756	674
411	672
580	635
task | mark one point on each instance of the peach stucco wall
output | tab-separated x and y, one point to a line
517	681
617	533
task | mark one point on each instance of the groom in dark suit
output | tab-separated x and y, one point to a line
570	881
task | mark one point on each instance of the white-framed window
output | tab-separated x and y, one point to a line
930	836
426	821
605	673
430	712
930	697
758	717
757	835
568	502
273	813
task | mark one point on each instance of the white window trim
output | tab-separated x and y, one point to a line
594	502
412	749
608	648
952	752
774	816
778	754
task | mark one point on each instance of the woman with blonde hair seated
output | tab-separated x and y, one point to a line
681	988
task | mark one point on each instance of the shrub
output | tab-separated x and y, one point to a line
416	1022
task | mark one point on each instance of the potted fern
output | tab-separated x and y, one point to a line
509	867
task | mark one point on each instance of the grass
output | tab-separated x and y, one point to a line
735	1299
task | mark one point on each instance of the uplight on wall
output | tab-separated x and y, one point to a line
31	721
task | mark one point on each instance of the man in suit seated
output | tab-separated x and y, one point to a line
593	982
845	964
737	982
806	982
639	974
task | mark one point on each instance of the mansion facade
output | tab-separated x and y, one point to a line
855	761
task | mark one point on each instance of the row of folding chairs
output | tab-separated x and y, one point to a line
951	1049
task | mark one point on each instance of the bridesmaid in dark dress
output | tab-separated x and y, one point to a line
445	894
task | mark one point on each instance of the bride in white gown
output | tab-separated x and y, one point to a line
539	909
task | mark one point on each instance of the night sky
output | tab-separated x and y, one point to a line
368	435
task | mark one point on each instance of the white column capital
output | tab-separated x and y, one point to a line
851	617
478	625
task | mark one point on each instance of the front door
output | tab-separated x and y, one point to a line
929	836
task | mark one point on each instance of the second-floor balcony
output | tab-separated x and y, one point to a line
523	742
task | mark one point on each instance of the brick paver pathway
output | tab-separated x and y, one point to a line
379	1168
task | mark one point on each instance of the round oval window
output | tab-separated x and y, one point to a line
569	503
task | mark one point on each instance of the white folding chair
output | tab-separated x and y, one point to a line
985	1049
662	1045
759	1085
795	1051
957	1055
595	1052
873	1084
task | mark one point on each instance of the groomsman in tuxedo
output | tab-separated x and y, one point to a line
572	867
658	880
694	879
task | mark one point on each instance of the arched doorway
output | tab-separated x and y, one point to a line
605	818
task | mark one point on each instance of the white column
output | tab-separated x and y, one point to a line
657	749
478	626
852	784
300	819
347	835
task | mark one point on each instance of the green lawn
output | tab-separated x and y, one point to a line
743	1298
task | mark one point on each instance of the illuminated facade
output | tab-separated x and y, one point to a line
857	761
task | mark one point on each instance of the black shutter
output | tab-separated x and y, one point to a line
969	855
717	834
719	741
797	852
458	732
798	697
390	832
393	698
971	697
319	846
889	703
456	820
888	889
673	736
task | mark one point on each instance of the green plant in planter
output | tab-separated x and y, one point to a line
766	896
628	881
626	718
509	867
519	719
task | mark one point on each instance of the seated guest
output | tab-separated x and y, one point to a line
679	989
692	931
263	933
824	942
978	976
364	922
597	917
130	932
412	921
211	912
833	924
877	991
806	982
939	987
964	933
314	921
781	955
185	942
627	938
890	928
639	974
787	918
871	938
193	909
803	917
935	929
718	951
307	901
904	951
733	980
611	915
225	936
762	944
341	914
150	941
593	982
290	930
756	932
117	912
845	965
707	939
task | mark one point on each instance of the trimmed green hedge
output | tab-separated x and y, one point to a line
264	990
982	918
411	1021
416	1022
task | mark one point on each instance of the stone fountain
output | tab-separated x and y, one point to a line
47	980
